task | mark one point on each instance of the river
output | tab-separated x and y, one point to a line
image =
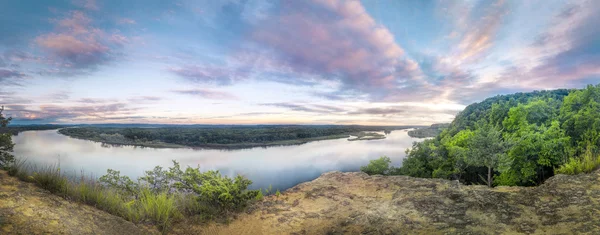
281	166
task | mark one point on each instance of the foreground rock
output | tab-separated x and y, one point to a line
27	209
354	203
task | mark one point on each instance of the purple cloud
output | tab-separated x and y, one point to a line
207	94
77	45
70	113
335	40
210	74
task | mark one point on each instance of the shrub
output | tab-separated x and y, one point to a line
259	195
161	197
585	164
379	166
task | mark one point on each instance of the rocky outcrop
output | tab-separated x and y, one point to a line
355	203
27	209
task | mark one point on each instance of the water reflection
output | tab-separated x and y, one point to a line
281	166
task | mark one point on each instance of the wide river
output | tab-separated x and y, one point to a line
282	166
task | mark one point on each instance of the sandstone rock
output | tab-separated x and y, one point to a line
355	203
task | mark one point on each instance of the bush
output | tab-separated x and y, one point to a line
160	197
586	164
379	166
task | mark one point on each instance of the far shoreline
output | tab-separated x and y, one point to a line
162	145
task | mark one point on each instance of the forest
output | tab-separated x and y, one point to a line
16	129
221	136
519	139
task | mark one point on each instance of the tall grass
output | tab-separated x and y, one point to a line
584	164
160	209
161	197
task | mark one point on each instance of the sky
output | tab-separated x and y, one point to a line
371	62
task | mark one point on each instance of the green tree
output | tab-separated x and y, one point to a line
486	147
379	166
580	118
157	180
6	144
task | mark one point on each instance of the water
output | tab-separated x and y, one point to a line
282	167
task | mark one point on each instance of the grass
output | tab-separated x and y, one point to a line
138	202
585	164
160	209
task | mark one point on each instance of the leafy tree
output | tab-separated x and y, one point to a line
379	166
123	184
157	180
486	148
6	144
580	118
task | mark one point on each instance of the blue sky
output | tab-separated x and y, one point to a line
280	62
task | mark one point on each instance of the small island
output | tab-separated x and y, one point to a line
367	136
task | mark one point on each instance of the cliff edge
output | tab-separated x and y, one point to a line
355	203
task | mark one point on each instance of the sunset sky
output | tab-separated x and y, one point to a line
285	62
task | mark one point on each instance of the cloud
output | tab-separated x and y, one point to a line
12	98
315	108
379	111
566	54
78	46
94	100
11	77
87	4
57	113
480	36
241	115
59	96
207	94
5	73
335	40
126	21
209	74
145	99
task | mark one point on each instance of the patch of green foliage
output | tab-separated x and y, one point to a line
380	166
586	164
6	144
160	196
519	139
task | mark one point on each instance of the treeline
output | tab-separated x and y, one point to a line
428	132
519	139
223	135
15	130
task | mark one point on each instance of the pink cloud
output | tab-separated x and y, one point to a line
77	44
336	39
207	94
219	75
